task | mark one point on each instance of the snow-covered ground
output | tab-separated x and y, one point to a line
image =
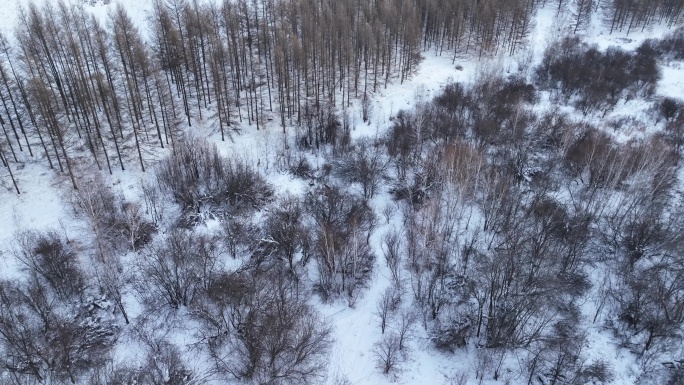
356	330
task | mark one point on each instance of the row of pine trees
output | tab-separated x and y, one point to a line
79	90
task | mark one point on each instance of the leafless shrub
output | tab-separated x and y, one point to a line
454	334
266	333
114	222
44	340
52	260
197	176
137	230
302	168
387	354
175	270
284	229
364	164
164	365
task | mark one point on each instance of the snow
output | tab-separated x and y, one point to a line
433	74
138	10
9	11
39	206
356	330
672	83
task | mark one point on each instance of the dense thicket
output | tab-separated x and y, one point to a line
203	182
65	311
53	326
594	79
513	219
670	47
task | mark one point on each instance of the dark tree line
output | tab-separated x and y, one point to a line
630	15
73	89
623	15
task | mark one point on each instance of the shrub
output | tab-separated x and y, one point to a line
198	177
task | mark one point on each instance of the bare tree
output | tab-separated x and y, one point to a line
343	224
174	271
386	306
51	260
387	353
48	330
284	226
363	164
392	249
583	10
259	329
